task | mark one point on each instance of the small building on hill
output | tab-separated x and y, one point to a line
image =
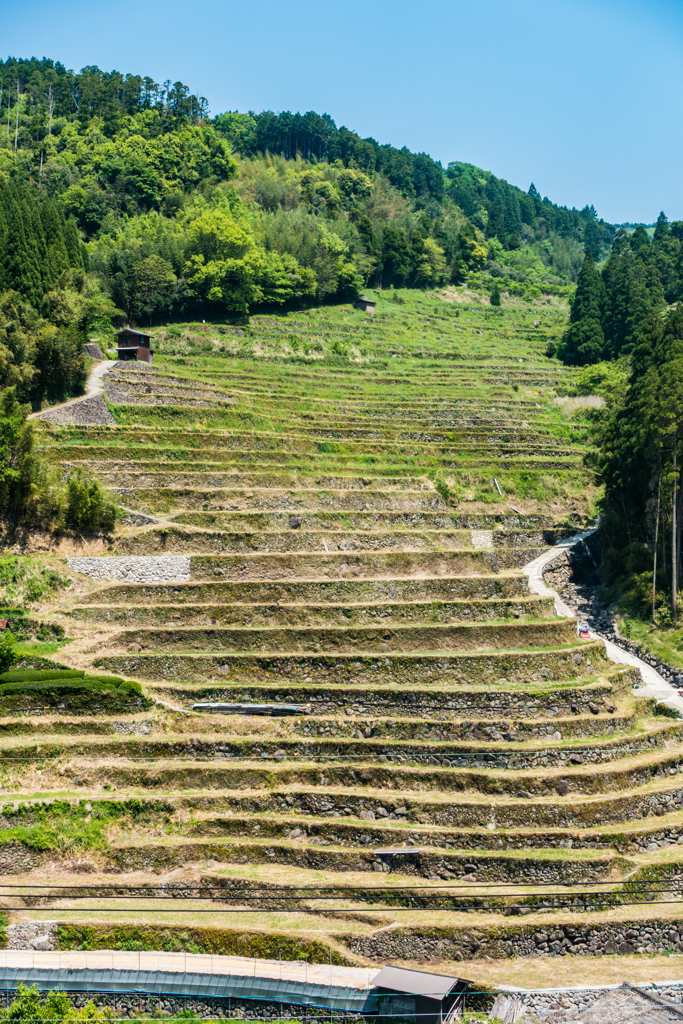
134	345
364	303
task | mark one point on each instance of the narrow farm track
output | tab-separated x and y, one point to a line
350	530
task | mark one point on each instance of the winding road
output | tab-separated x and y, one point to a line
654	685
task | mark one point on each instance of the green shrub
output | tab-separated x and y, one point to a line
8	645
88	506
31	1005
129	686
50	631
27	579
59	684
27	675
217	941
54	686
75	694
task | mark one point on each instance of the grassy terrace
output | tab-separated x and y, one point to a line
330	475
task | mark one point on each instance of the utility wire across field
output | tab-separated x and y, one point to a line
339	757
308	890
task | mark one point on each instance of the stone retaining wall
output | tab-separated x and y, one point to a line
492	868
544	1002
15	858
93	410
136	1005
595	940
134	569
383	701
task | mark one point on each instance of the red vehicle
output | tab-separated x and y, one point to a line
584	632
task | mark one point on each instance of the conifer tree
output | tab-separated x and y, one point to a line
53	228
584	341
72	242
22	270
640	239
661	228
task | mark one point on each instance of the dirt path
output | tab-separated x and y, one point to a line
95	386
654	685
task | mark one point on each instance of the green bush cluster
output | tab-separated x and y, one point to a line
56	686
174	223
61	825
34	493
23	578
88	506
30	1005
217	941
64	677
26	675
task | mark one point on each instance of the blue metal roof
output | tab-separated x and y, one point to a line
190	985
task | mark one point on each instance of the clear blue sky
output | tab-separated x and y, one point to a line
584	97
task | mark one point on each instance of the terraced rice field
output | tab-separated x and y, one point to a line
321	485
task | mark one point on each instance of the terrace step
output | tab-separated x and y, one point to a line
337	614
502	753
501	586
494	783
442	864
508	525
207	555
311	451
301	540
395	675
370	639
240	494
333	830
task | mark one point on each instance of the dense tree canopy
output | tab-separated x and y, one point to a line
118	177
641	458
640	277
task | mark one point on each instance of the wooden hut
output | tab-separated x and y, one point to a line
134	345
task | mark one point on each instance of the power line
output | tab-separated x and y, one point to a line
333	889
543	908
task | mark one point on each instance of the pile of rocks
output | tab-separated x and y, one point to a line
32	935
92	349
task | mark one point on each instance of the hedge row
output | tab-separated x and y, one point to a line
88	683
27	675
217	941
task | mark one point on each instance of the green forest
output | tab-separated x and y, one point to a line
182	214
626	328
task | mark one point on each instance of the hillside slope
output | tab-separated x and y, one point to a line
323	529
185	215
